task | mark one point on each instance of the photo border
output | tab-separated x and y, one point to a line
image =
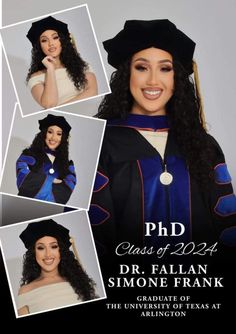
94	250
64	113
97	46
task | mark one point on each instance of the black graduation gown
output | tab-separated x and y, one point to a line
39	184
117	206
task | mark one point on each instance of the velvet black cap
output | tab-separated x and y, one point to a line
43	228
55	120
48	23
138	35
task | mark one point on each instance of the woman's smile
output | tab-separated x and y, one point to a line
152	93
151	81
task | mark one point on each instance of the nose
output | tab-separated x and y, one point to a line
47	252
51	42
52	136
152	78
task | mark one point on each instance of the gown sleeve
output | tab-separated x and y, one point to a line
101	211
62	191
223	201
39	184
29	182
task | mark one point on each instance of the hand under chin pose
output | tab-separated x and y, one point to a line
57	74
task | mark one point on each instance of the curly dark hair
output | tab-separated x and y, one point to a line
69	57
183	114
37	149
69	268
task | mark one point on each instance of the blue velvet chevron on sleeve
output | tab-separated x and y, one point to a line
22	168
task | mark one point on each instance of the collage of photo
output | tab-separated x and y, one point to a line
117	185
51	162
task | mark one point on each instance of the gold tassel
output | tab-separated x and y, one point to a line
198	92
73	42
75	251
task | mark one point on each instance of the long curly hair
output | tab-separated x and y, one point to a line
183	114
69	57
69	268
37	150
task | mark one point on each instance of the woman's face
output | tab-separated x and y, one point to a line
53	137
151	81
50	43
47	253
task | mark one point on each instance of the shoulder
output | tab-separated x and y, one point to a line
38	73
90	76
217	153
214	143
120	139
114	132
27	156
25	288
27	151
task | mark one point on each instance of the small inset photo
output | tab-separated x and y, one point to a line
54	60
52	156
51	263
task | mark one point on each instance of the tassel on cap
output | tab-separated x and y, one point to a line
75	250
73	42
198	92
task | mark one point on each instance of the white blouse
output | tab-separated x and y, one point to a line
156	139
65	86
48	297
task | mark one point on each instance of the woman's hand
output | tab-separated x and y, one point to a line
49	62
57	181
46	94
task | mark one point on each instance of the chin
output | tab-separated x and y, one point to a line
153	110
154	113
53	148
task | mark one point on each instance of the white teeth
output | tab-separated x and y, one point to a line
48	262
152	92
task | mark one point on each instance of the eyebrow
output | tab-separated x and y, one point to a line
44	36
42	244
160	61
58	131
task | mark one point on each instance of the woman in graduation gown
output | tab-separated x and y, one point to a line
44	171
158	164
